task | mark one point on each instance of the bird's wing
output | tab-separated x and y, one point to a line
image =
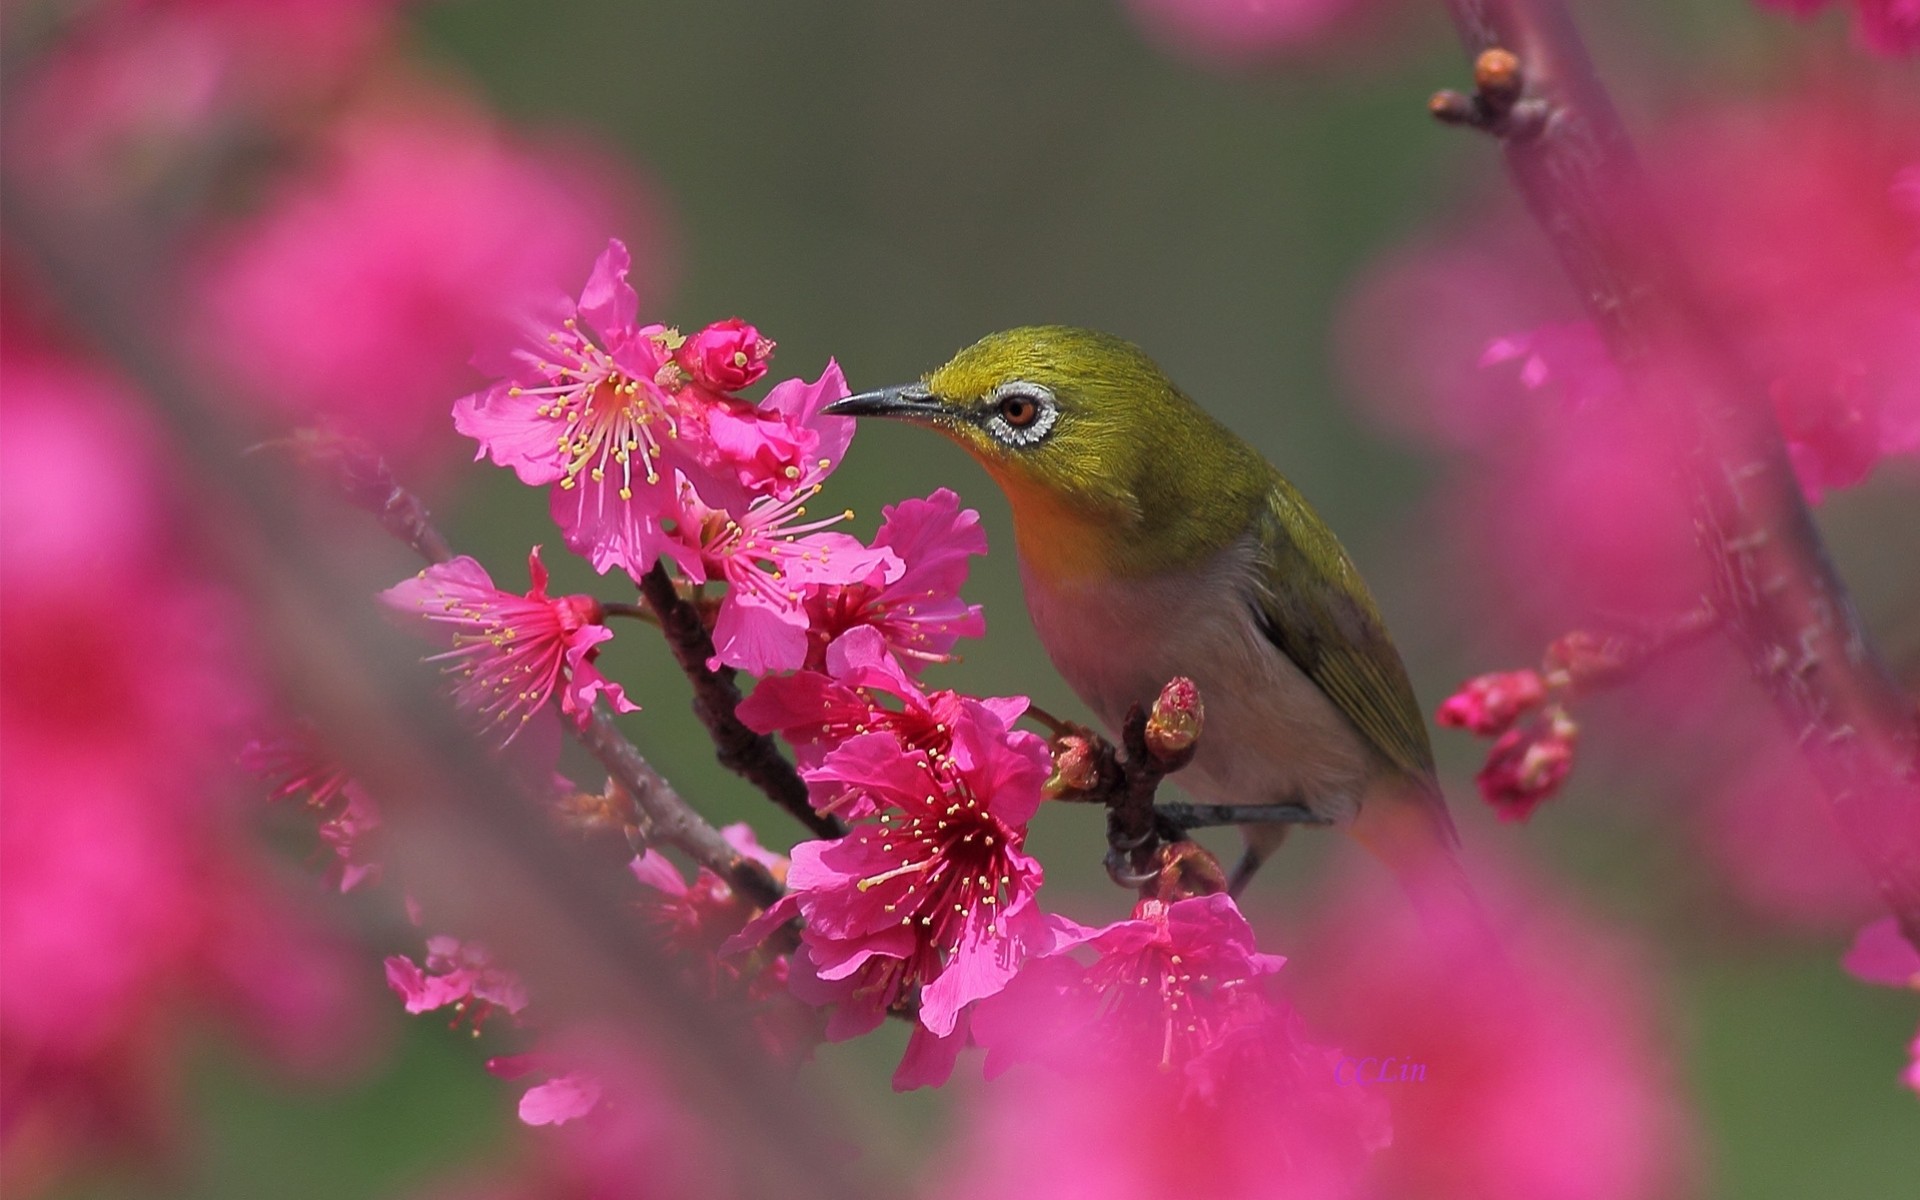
1311	603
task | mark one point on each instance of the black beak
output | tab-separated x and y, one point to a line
909	401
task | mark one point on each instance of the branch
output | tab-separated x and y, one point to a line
368	482
716	700
1785	606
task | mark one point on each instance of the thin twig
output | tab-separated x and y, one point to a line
752	756
1785	605
368	482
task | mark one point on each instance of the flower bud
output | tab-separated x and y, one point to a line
1587	659
1490	704
1076	768
725	356
1528	765
1174	724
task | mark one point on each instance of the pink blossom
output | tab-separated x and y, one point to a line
919	611
770	557
936	892
1169	987
695	921
1546	1076
416	231
1272	1120
725	356
349	817
1526	766
512	653
460	974
560	1099
132	93
1889	27
865	690
598	406
1882	954
1490	704
1239	32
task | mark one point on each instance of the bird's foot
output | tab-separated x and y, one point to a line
1120	869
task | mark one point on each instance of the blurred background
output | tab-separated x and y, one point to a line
1320	265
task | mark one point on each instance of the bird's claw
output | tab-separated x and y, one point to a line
1120	869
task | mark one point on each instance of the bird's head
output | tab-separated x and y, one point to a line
1106	464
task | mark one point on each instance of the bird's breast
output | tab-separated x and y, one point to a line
1270	735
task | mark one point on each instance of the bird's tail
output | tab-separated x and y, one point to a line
1404	823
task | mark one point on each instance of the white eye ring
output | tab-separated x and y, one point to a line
1031	431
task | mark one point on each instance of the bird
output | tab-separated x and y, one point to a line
1154	542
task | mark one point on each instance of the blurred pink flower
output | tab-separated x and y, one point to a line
1882	954
296	766
134	92
1258	1111
1527	765
1490	704
130	899
1239	32
458	974
1169	987
1890	27
1543	1078
418	231
695	921
512	653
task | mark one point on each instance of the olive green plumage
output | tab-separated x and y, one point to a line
1153	541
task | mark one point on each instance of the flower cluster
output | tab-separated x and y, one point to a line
933	891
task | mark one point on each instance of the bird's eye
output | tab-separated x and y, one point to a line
1022	414
1019	410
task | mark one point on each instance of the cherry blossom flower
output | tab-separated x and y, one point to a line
695	921
725	356
770	556
1546	1075
1168	1031
460	974
919	611
1889	27
1169	987
1490	704
866	690
349	817
936	892
512	653
1882	954
408	200
601	408
1239	32
1527	765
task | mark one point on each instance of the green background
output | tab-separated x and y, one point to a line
884	180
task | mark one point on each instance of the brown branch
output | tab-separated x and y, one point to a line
366	481
752	756
465	819
1786	608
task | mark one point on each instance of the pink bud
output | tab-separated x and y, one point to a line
1174	725
1076	768
1490	704
1528	765
1587	659
725	356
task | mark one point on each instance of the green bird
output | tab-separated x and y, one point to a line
1153	543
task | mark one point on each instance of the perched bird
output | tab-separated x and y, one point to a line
1154	543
